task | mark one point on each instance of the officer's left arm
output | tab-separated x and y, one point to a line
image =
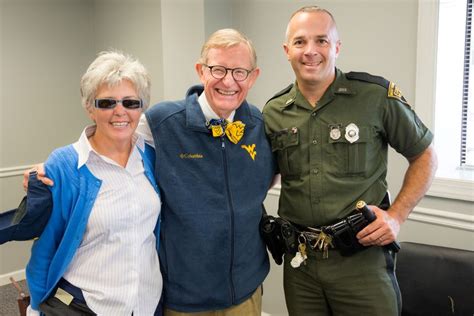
418	178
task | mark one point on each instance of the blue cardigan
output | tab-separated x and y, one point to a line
74	193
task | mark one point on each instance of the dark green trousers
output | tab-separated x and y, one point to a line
363	284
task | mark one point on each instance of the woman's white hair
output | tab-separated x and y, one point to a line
110	68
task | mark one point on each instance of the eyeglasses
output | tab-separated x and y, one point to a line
106	104
219	72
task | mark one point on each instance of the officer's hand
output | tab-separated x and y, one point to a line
41	176
382	231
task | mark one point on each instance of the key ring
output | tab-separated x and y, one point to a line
302	239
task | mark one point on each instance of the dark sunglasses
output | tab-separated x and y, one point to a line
130	104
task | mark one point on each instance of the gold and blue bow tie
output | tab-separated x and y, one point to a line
233	130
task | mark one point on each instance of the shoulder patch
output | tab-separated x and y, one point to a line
392	90
280	93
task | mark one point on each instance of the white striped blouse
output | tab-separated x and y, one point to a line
116	265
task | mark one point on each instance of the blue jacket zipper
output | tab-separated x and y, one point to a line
231	208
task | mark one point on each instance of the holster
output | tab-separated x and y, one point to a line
344	232
279	235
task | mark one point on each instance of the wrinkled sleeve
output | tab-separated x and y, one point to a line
404	130
29	219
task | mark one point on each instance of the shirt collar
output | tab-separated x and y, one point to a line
207	110
84	148
340	85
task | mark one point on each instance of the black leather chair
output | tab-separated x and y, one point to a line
435	280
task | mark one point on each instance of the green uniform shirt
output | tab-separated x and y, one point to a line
335	154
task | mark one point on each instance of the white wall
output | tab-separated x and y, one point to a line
183	35
43	43
134	27
45	47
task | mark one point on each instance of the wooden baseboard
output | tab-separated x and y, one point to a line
17	275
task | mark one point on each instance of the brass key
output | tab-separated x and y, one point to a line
302	251
322	243
327	243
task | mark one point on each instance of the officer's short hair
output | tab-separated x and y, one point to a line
309	8
225	38
110	68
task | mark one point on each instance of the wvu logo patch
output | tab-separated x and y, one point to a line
251	150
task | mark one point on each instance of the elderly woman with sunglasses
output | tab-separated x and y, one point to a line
98	252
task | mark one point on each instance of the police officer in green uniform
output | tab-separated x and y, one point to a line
330	132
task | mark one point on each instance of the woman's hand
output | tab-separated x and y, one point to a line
39	168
